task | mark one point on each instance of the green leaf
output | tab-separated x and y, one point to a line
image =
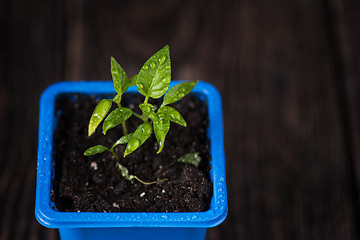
178	91
123	170
191	158
101	109
161	128
95	150
120	79
116	117
148	109
123	140
141	134
133	80
154	77
171	114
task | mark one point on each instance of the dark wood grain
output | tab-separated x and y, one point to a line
290	166
288	72
30	62
347	38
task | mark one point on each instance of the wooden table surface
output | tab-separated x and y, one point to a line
288	72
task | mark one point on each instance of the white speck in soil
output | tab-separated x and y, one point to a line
142	194
115	205
94	166
163	191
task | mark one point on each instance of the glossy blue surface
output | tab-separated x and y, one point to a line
133	233
126	223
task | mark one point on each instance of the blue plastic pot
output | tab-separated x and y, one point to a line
137	225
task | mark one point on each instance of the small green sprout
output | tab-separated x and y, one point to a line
152	81
191	158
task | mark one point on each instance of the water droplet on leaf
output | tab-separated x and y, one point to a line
133	144
152	65
167	79
162	59
146	108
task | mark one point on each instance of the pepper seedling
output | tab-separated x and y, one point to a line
152	81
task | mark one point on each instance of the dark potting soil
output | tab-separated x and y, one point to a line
93	184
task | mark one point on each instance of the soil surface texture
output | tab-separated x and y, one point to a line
93	184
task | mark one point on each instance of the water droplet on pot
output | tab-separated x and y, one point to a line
211	212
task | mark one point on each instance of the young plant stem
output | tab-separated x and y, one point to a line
149	183
124	128
146	100
114	154
143	117
125	173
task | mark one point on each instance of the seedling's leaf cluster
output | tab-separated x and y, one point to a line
152	81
